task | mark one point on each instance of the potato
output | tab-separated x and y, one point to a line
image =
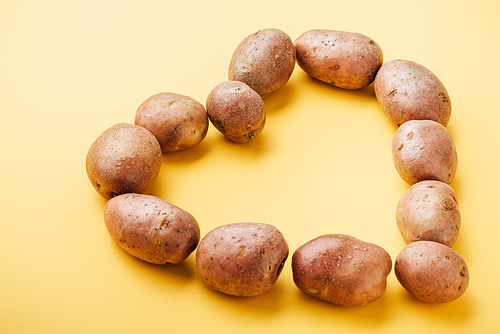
407	91
236	110
344	59
341	269
432	272
178	122
429	211
241	259
151	228
125	158
264	61
424	150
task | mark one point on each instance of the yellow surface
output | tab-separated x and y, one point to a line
71	69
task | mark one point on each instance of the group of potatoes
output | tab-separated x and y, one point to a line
246	259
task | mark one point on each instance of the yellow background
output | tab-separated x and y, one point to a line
71	69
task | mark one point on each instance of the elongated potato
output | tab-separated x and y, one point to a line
429	211
344	59
151	228
241	259
424	150
178	122
432	272
341	269
126	158
264	61
409	91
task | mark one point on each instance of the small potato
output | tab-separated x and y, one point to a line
241	259
125	158
407	91
236	110
264	61
424	150
151	228
429	211
177	121
341	269
432	272
344	59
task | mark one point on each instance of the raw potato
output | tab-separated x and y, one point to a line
424	150
236	110
126	158
151	228
178	122
264	61
429	211
341	269
241	259
409	91
343	59
432	272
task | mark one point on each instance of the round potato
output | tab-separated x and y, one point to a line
407	91
126	158
264	61
241	259
424	150
343	59
178	122
341	269
236	110
151	228
429	211
432	272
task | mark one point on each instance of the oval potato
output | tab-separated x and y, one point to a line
126	158
241	259
264	61
429	211
341	269
424	150
178	122
407	91
151	228
432	272
343	59
236	110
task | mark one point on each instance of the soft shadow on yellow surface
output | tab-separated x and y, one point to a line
374	313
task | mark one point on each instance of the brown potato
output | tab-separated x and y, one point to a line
409	91
264	61
424	150
344	59
125	158
241	259
151	228
236	110
178	122
432	272
341	269
429	211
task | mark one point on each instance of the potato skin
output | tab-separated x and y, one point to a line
151	228
241	259
429	211
341	269
424	150
432	272
125	158
407	91
178	122
343	59
264	60
236	110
